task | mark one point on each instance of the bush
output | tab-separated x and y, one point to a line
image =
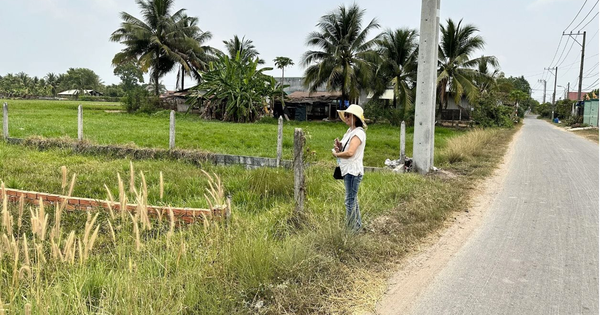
140	100
376	110
489	113
89	98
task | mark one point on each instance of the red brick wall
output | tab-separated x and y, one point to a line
75	203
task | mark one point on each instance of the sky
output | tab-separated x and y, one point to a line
43	36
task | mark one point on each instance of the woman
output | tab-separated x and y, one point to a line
350	153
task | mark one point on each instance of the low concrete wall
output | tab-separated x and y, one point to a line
192	156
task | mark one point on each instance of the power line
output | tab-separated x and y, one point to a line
590	21
533	75
576	27
573	43
576	15
593	71
593	36
556	52
592	86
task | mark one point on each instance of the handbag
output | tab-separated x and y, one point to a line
337	172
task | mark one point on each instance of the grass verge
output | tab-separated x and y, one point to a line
266	260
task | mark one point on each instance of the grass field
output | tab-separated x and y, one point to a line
266	260
59	119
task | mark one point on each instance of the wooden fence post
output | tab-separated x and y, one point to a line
172	131
279	140
402	142
80	123
299	187
5	121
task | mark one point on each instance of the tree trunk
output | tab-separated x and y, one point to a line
156	90
182	78
442	97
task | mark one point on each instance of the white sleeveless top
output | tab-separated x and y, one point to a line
354	164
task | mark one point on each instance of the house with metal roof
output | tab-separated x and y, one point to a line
75	93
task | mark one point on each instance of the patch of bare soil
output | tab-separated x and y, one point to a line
421	267
588	133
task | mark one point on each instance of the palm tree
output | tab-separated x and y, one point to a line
487	72
345	60
52	81
196	56
398	51
456	70
242	46
160	40
281	63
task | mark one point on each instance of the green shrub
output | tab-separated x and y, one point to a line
377	111
490	113
140	100
89	98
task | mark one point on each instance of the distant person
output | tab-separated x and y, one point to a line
350	151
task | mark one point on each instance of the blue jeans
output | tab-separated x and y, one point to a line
353	220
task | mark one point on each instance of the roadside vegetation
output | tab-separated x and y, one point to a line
266	259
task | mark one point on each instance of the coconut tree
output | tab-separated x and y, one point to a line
345	59
456	72
486	73
398	52
52	81
281	63
191	50
244	47
160	40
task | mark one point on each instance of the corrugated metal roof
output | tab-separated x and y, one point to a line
306	97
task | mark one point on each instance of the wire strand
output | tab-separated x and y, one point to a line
590	21
576	15
577	27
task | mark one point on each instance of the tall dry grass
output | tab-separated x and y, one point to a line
467	146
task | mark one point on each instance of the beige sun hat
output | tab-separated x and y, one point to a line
355	110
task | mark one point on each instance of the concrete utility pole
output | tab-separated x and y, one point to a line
544	97
80	123
426	86
582	44
5	121
554	93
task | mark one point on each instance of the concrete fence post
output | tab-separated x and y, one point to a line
299	180
172	131
80	123
279	140
5	121
402	142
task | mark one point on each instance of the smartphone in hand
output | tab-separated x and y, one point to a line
338	144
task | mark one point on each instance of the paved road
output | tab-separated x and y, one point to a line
536	251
